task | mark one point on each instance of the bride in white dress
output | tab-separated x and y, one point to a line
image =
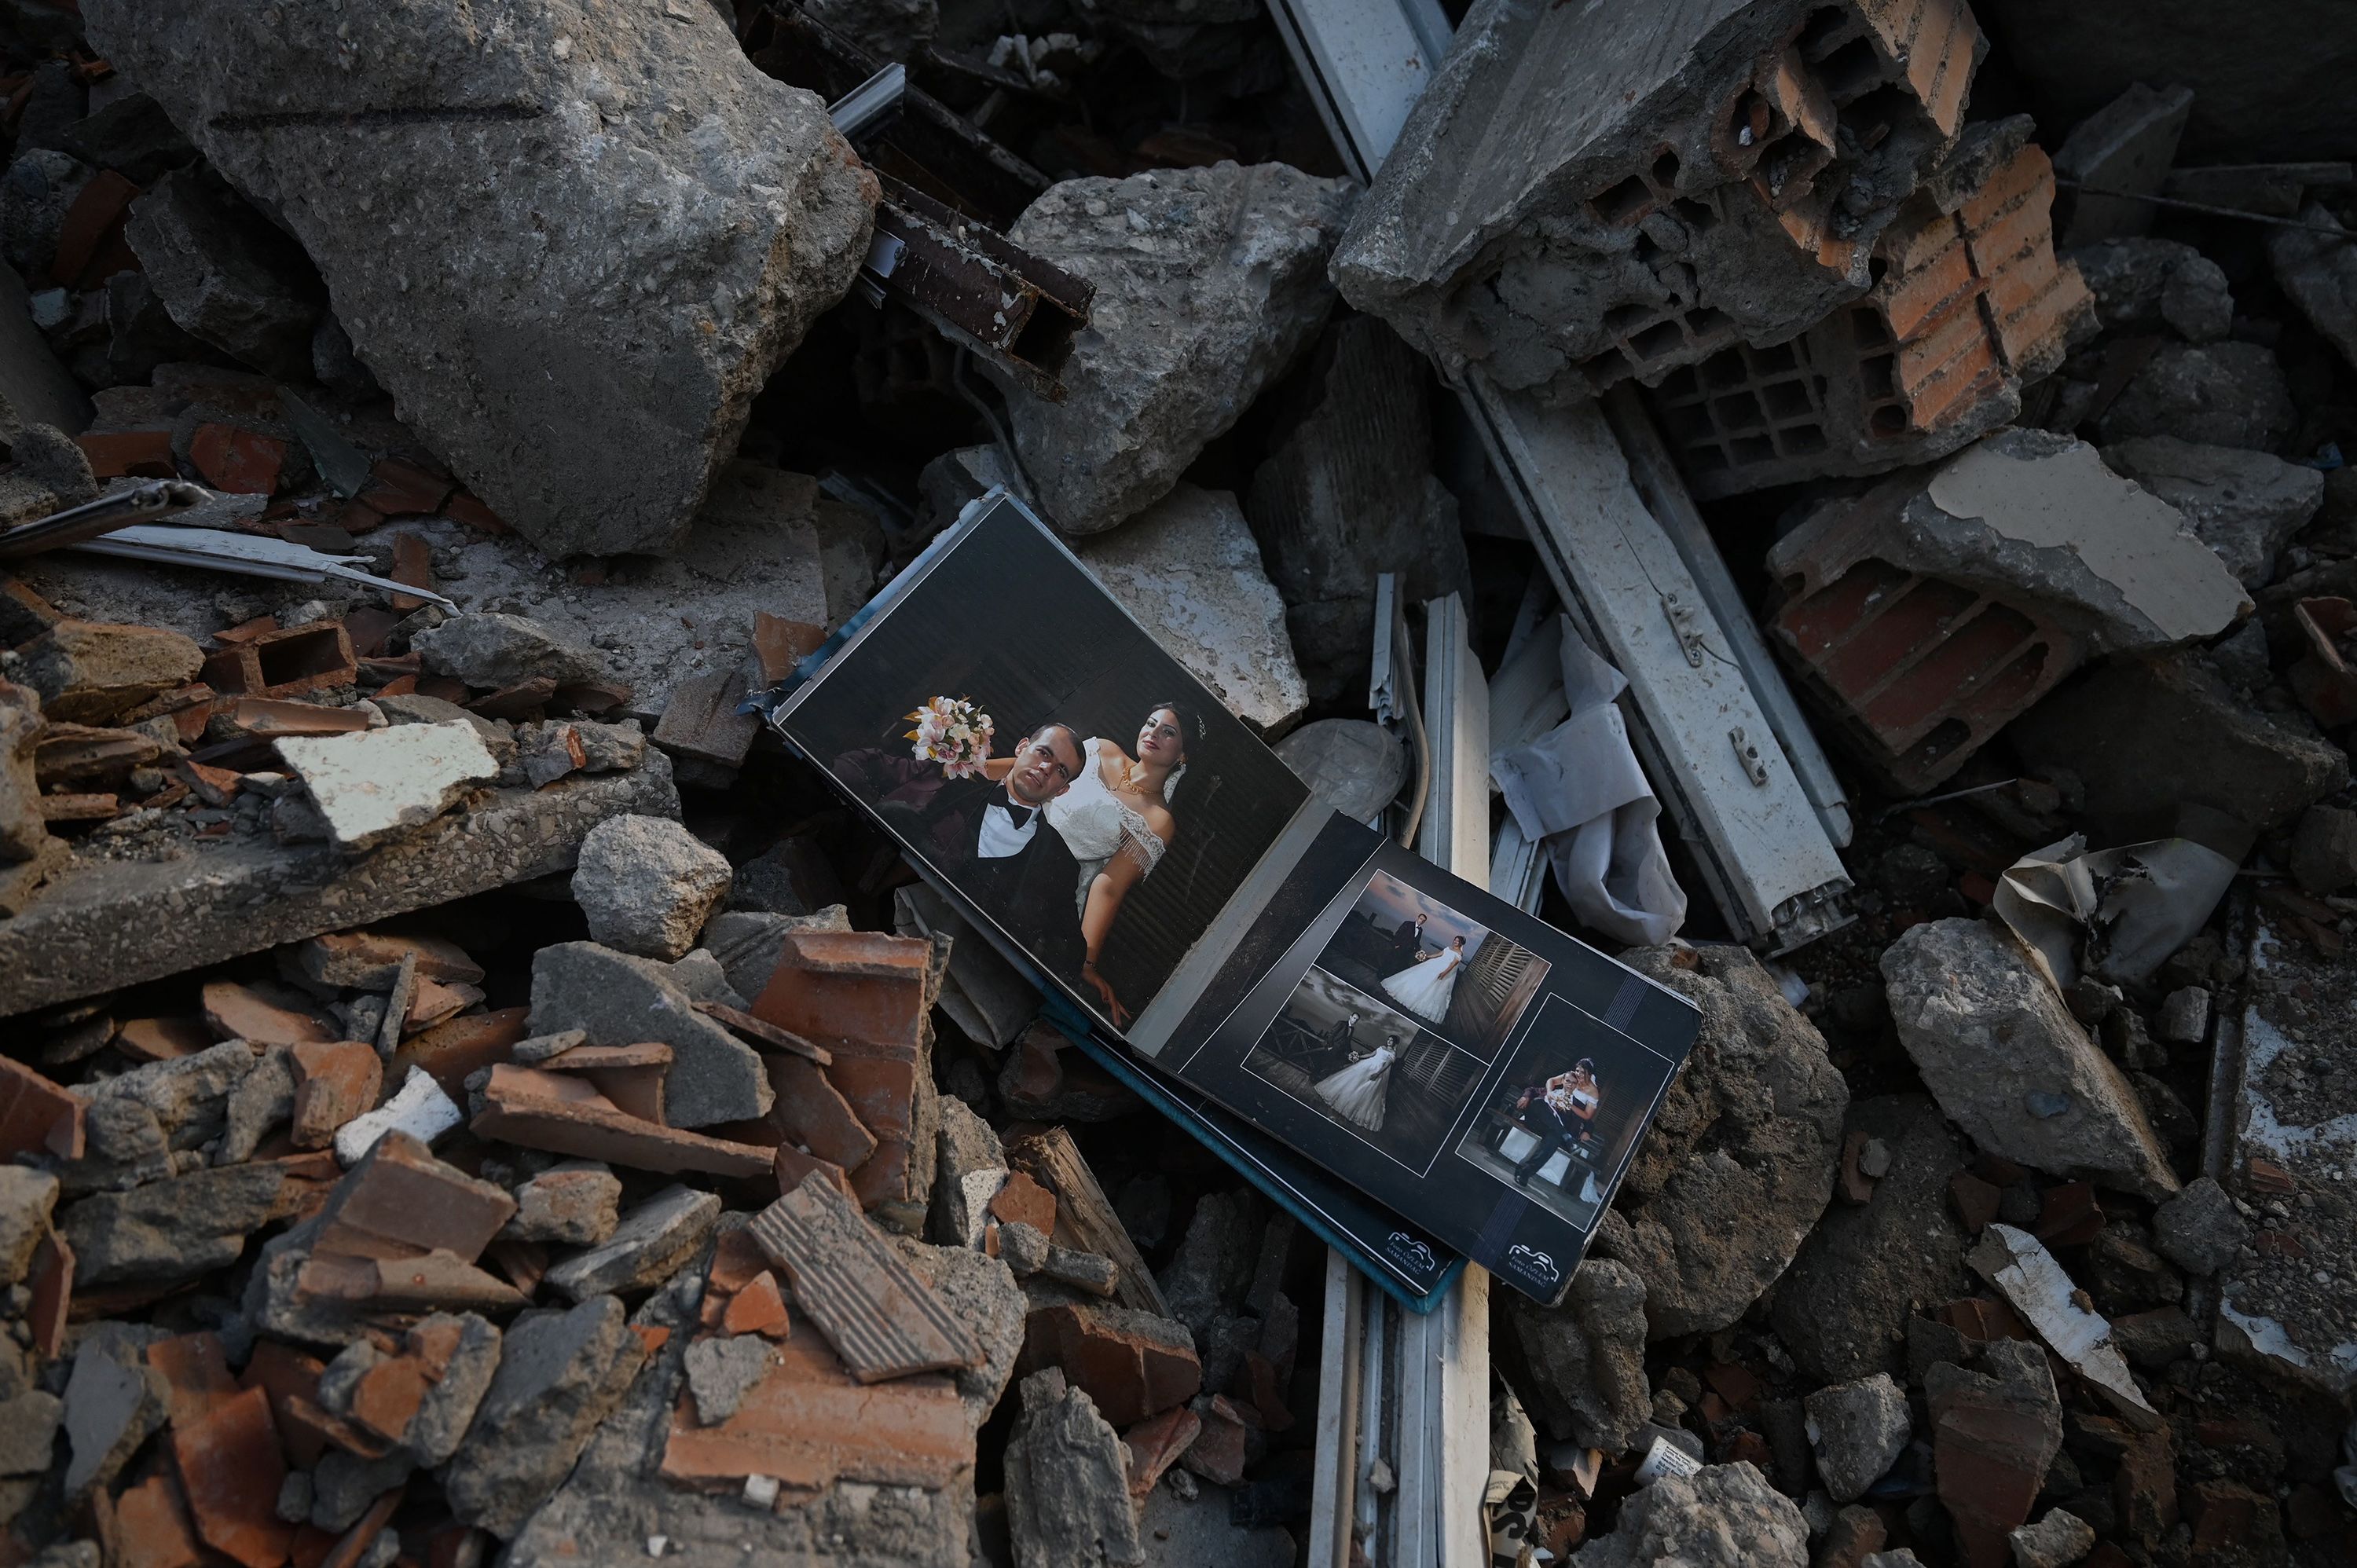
1116	821
1424	987
1356	1093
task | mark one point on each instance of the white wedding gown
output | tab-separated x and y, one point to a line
1424	988
1356	1093
1096	825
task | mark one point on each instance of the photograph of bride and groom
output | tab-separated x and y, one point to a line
1406	1006
1035	751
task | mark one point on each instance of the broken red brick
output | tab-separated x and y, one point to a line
465	509
334	1081
91	247
270	717
2266	1176
398	487
413	566
1155	1444
1264	1385
243	462
811	1114
288	663
563	1114
851	986
213	786
152	1526
78	808
2068	1215
37	1116
1131	1364
737	1260
1218	1452
1023	1198
758	1308
161	1040
780	644
240	1012
231	1467
524	701
1975	1200
882	1321
433	1002
454	1051
130	454
51	1281
197	1380
629	1077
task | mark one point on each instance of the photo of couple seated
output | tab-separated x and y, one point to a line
1034	750
1365	1065
1456	976
1564	1117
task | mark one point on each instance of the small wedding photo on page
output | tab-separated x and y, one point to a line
1038	753
1456	976
1367	1067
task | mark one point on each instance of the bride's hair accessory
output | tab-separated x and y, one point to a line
953	732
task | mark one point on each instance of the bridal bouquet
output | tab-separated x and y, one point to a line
953	732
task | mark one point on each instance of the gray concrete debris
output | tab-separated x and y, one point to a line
2218	395
133	136
179	1104
721	1372
1740	1162
1842	1308
27	1199
1627	223
448	1407
499	736
573	1203
646	1248
969	1169
1214	1261
1347	493
1859	1431
28	1432
560	1374
667	262
2245	505
2197	303
2009	1065
228	276
263	1099
39	189
2028	514
2126	147
647	886
1067	1482
1588	1356
2320	275
1197	1529
2324	849
171	1229
492	650
2148	737
1187	567
343	1485
618	1000
1209	283
888	29
2057	1540
113	1405
1722	1516
377	785
2130	277
2184	1018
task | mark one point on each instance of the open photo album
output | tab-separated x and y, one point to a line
1053	770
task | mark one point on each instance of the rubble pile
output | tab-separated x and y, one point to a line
468	1094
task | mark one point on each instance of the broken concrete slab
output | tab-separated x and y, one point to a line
2319	274
1067	1482
2219	394
1723	178
560	1374
1187	568
647	886
1228	264
1719	1195
616	999
1858	1430
227	274
1588	1356
1842	1308
2150	736
490	650
1721	1516
664	328
2009	1065
646	1248
172	1230
113	1404
2245	505
375	786
1346	493
109	923
2123	151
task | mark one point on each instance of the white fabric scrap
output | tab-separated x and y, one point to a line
1578	792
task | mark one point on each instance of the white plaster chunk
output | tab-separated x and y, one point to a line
420	1110
372	786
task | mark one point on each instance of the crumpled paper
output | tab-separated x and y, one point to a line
2132	906
1578	793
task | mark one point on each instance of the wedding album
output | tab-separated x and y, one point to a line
1055	771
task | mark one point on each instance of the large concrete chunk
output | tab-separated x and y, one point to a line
2319	273
2009	1065
1067	1482
1587	1356
560	1375
1209	282
225	275
1722	1516
647	886
1740	1162
2245	505
1188	570
1589	192
572	238
618	1000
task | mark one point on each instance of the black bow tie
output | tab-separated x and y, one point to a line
1016	814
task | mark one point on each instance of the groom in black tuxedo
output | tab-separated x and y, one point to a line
1405	943
993	840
